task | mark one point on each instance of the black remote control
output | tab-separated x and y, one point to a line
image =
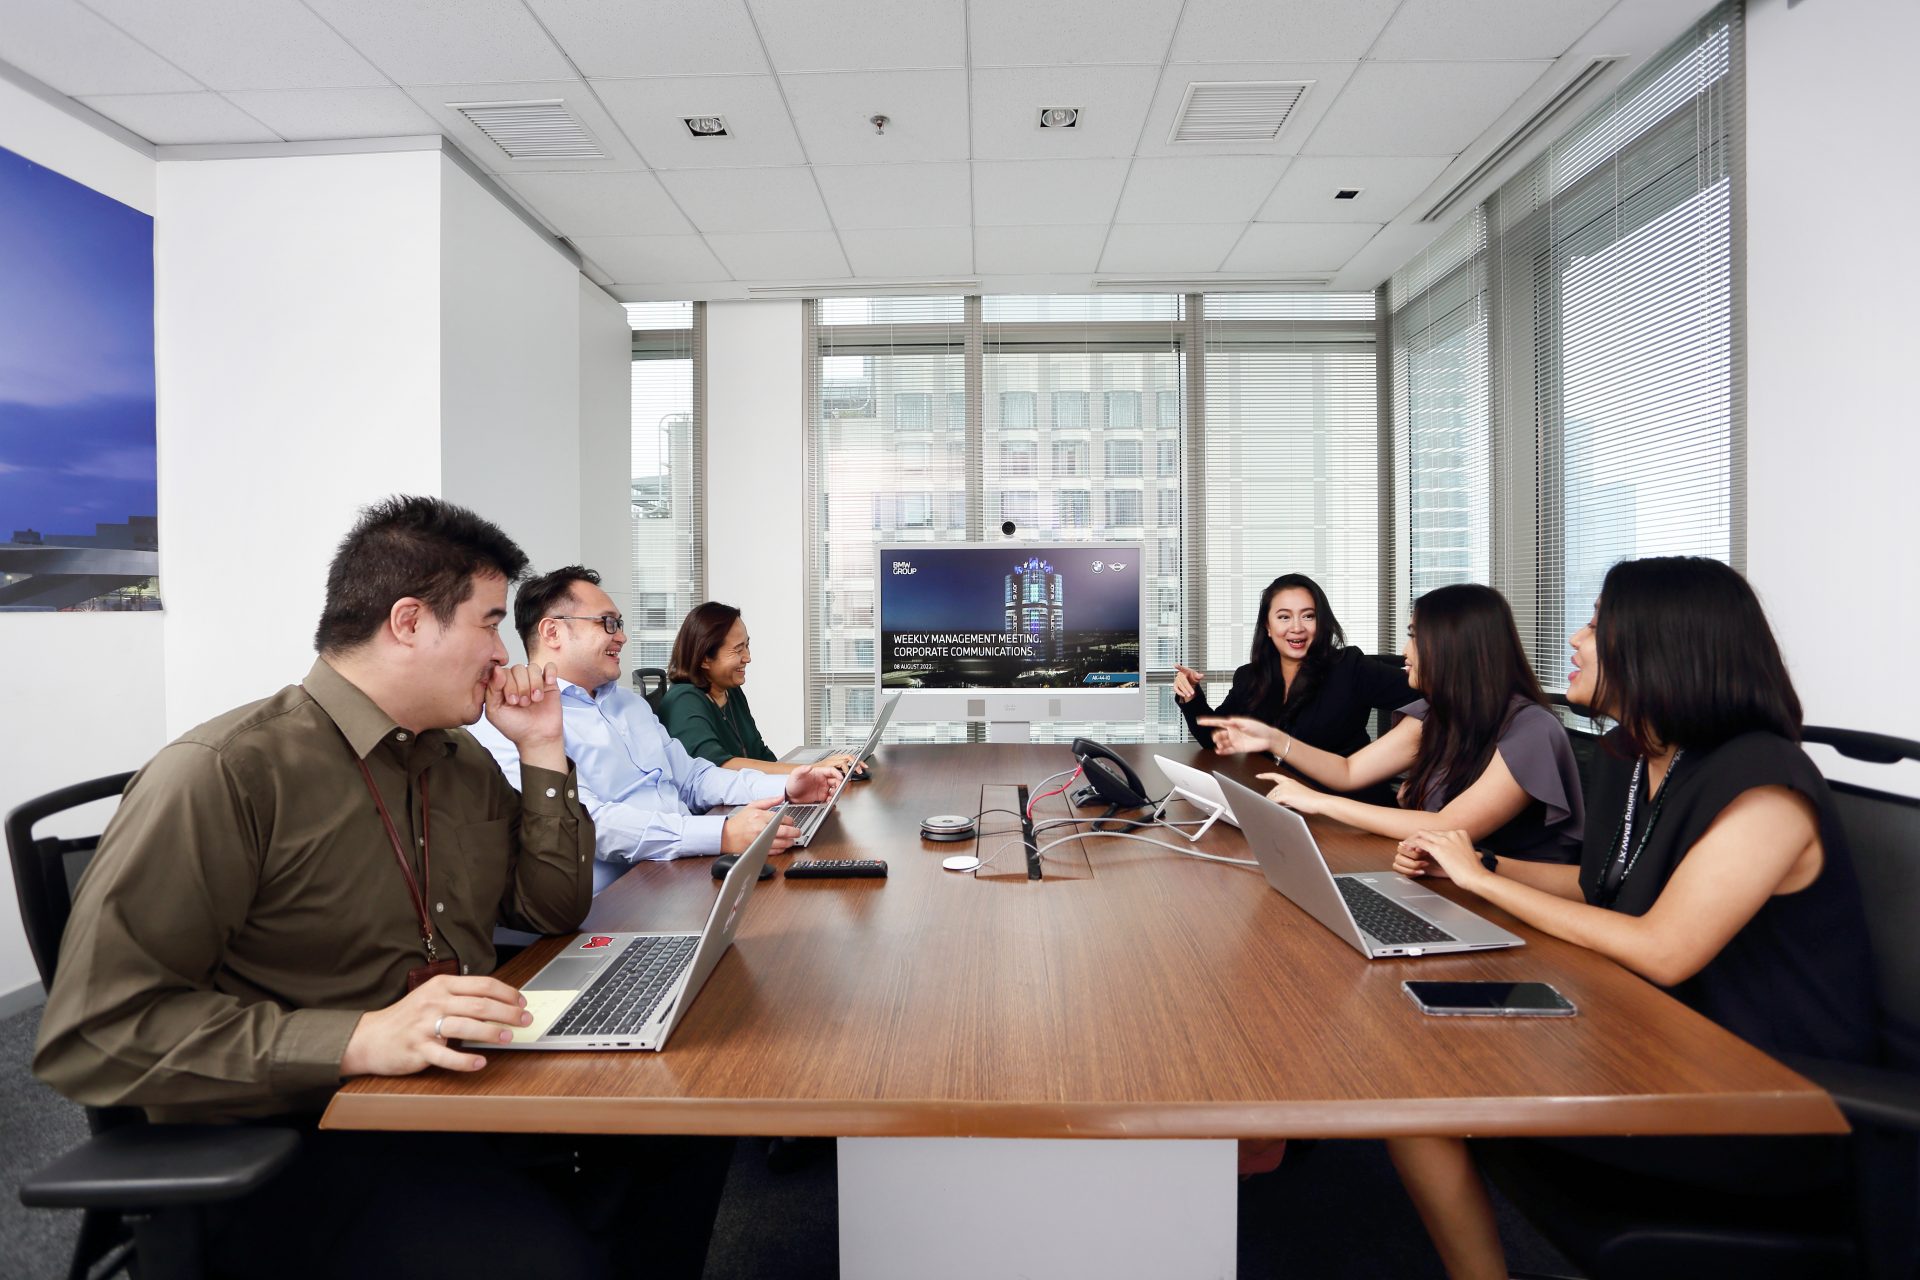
836	868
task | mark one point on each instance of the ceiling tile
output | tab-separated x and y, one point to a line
1032	251
313	115
1420	108
914	251
1006	109
1261	30
441	42
1193	247
1025	193
1294	246
926	115
897	195
638	259
758	127
78	52
1325	78
574	94
1385	254
654	37
1388	184
1178	189
729	200
782	255
600	204
181	119
244	44
1463	29
1066	33
862	35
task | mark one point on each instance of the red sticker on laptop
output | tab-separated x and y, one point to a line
597	940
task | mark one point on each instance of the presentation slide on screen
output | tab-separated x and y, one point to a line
1056	617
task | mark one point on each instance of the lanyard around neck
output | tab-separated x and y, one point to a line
1621	865
416	889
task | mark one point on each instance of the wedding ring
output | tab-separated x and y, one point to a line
437	1033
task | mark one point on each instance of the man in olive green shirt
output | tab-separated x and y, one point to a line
305	889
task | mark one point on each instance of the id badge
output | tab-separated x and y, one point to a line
426	972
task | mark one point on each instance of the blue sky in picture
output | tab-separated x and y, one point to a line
76	354
964	588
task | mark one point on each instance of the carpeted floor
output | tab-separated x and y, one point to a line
1332	1212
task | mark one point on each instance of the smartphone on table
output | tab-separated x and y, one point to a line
1489	999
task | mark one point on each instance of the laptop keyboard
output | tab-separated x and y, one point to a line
1384	918
622	997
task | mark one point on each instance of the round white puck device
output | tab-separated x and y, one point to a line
961	862
947	827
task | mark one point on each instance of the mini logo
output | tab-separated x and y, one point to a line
1116	567
903	566
597	940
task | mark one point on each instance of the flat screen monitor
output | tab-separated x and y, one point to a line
1010	632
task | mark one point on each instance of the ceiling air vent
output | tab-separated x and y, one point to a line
1237	111
1555	106
543	130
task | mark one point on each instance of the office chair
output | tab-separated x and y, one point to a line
1613	1225
1586	743
651	684
138	1186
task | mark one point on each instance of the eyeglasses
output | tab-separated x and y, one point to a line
612	622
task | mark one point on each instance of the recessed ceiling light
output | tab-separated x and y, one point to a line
706	126
1059	117
1348	193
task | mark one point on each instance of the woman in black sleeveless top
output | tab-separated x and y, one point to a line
1714	865
1301	677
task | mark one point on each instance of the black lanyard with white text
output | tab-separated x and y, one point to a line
416	889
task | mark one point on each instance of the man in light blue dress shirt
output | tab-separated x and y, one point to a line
648	798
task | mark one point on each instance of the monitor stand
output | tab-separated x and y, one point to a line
1009	731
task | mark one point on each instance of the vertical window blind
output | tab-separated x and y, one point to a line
1573	351
669	485
1078	418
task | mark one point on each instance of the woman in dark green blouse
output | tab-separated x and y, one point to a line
705	706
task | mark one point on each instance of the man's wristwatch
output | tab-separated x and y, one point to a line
1491	861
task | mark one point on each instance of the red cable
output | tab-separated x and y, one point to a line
1056	791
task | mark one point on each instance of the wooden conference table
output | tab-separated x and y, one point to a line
1129	993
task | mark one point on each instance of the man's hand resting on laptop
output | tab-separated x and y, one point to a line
745	824
812	784
401	1038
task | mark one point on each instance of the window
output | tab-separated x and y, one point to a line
1567	355
668	481
1123	458
1061	447
913	411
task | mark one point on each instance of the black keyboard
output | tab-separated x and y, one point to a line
624	994
1384	918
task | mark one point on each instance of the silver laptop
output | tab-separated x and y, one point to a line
1381	913
629	990
808	817
1196	788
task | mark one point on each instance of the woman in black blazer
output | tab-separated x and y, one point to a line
1300	678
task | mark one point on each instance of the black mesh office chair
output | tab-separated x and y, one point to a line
139	1186
1615	1226
651	684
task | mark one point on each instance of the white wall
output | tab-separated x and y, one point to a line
606	442
299	365
1833	437
509	373
755	460
87	694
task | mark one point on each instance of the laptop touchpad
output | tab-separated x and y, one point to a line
566	975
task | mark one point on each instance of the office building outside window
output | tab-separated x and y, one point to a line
668	481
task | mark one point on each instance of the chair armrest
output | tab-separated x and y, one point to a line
157	1165
1878	1095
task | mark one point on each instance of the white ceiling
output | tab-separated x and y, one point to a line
1405	98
